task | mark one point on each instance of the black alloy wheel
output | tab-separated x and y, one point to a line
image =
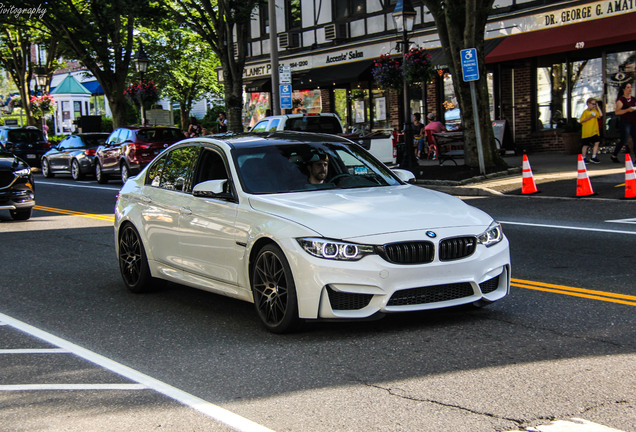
133	264
76	172
274	290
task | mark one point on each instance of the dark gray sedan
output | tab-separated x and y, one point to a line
74	155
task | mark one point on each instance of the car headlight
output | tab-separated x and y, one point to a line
22	172
492	235
333	249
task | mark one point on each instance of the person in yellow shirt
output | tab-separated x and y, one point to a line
590	135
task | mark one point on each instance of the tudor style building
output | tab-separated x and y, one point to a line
544	59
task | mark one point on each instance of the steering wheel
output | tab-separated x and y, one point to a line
336	179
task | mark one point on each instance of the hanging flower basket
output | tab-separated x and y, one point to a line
387	73
15	102
142	93
42	105
417	65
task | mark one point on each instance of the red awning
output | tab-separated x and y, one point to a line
588	34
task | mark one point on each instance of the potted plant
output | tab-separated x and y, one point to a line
417	65
387	73
142	93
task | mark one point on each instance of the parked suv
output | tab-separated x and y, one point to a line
128	149
27	143
323	123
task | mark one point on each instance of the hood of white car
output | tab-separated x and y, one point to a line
350	213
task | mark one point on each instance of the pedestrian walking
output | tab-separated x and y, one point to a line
626	112
590	133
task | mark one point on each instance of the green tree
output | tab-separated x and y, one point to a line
182	67
15	58
461	25
224	26
100	34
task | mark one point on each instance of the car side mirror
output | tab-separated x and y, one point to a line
213	189
404	175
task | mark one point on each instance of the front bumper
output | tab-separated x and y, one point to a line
361	289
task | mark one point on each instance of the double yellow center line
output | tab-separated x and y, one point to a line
107	218
576	292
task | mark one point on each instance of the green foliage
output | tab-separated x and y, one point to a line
56	139
107	124
209	120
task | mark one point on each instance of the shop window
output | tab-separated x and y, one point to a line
620	67
380	114
450	106
563	88
342	107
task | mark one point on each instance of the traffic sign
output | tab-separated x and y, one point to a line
284	74
470	67
286	96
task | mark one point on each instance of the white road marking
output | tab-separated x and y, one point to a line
576	425
49	387
34	351
568	227
627	221
214	411
78	185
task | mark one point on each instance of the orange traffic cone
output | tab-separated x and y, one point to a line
583	185
528	186
630	178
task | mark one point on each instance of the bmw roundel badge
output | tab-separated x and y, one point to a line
431	234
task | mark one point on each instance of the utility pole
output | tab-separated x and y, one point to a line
273	55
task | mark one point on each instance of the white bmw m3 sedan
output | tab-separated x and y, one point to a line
305	226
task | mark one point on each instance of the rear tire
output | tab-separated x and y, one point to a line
274	290
125	172
133	263
99	174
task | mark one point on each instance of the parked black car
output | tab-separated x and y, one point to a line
74	155
16	186
27	143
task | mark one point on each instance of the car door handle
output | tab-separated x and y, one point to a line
185	211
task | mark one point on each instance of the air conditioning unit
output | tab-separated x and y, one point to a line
289	40
336	31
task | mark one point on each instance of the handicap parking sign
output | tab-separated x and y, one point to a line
470	67
286	96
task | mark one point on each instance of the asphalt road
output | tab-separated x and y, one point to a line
561	346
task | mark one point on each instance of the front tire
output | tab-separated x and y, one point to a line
99	174
46	169
76	171
274	290
21	214
133	263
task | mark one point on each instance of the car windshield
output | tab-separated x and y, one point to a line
25	135
286	168
159	135
94	140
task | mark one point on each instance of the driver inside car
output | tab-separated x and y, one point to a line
318	166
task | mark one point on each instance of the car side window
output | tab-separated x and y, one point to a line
65	143
211	167
153	177
273	125
260	126
178	167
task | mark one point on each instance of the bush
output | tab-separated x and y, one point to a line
55	139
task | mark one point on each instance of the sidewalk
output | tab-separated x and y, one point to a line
555	171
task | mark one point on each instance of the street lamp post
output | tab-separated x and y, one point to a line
404	18
40	80
141	66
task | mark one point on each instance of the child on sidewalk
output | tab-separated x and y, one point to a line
590	133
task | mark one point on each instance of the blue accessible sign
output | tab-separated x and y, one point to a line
286	96
470	67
